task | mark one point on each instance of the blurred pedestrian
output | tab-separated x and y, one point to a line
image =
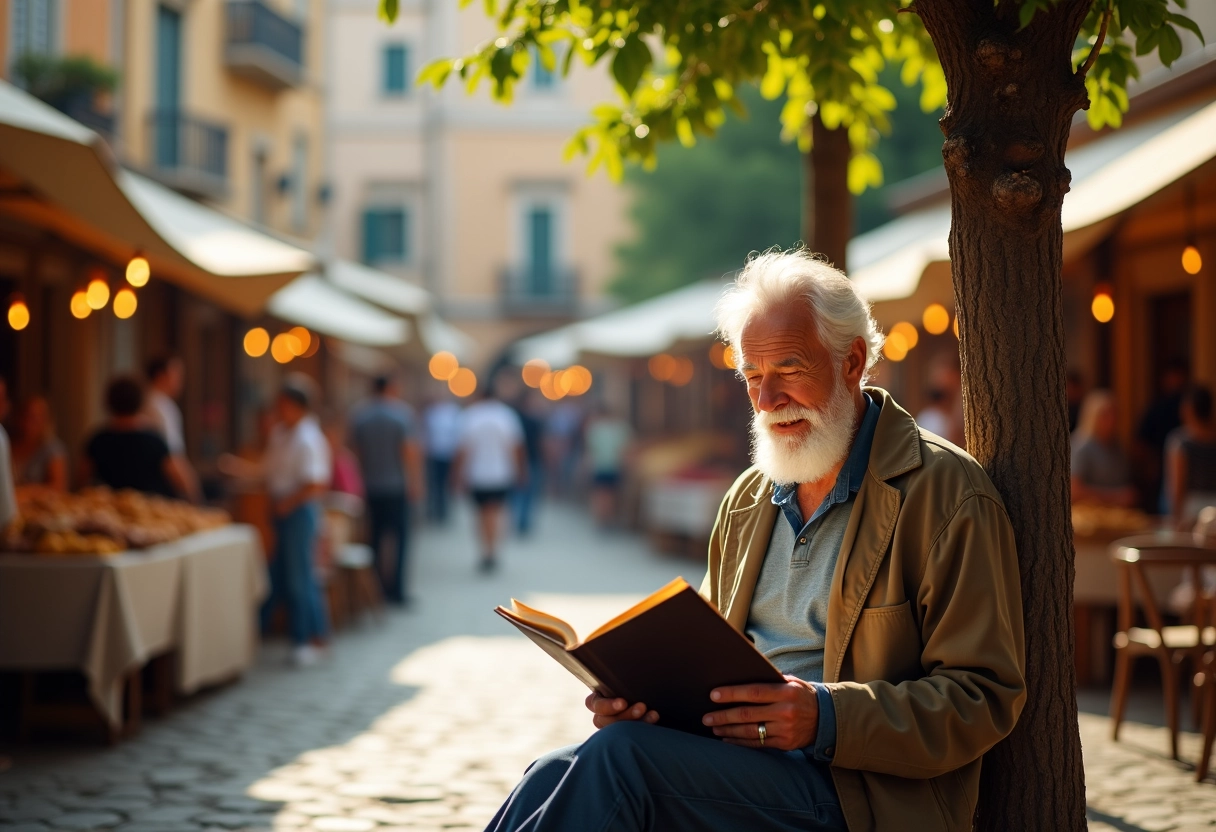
166	376
442	423
489	463
39	457
1101	473
8	497
346	477
530	409
125	452
608	438
562	433
1074	394
382	435
1191	455
944	414
297	469
1161	418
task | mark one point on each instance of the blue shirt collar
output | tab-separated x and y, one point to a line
848	481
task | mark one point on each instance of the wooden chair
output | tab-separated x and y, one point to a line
1134	558
1205	679
354	564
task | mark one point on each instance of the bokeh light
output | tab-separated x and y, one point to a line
533	371
662	367
138	271
936	319
257	341
443	366
911	333
463	382
683	372
97	295
314	344
956	335
80	305
18	315
284	347
549	388
1103	308
578	378
895	347
303	339
1192	262
125	303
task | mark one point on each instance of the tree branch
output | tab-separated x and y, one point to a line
1093	53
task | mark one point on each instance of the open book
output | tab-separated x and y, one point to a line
669	651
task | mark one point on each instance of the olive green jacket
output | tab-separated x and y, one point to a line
924	655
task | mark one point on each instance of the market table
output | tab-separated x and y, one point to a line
106	616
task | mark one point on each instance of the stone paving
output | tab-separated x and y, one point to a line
426	721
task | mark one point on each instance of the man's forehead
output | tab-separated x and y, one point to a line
783	336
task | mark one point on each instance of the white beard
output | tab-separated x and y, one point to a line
812	454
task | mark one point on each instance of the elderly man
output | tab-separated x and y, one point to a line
872	562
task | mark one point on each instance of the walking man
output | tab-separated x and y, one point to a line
382	435
490	463
442	438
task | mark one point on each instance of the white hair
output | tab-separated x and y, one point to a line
777	278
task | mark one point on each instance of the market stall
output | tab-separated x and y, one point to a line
80	597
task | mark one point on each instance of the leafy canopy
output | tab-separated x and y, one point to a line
678	63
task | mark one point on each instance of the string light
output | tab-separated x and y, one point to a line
463	382
443	366
284	347
257	341
533	371
662	367
895	347
908	331
138	271
1192	262
97	295
549	389
303	339
579	379
125	303
80	305
935	319
18	314
683	372
956	335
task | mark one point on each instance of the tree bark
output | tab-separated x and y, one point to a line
827	203
1012	96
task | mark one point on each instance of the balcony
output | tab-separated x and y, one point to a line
531	292
263	46
188	154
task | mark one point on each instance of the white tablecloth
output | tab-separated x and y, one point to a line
107	616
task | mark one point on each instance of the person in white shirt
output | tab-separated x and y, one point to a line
166	376
489	463
441	423
297	470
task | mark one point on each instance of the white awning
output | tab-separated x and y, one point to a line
1109	176
314	303
646	328
60	175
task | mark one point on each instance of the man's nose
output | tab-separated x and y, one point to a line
771	397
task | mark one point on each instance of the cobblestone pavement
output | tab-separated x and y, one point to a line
426	721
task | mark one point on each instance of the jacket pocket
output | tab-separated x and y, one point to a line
885	645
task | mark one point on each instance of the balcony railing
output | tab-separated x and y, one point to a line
188	154
532	292
264	46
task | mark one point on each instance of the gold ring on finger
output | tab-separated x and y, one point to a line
762	731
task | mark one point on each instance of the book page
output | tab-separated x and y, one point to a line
551	625
651	601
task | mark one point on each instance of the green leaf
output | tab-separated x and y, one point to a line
389	10
1186	23
684	132
631	62
864	171
1169	47
436	72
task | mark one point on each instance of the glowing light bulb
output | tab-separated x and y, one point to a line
284	347
443	366
533	371
1103	308
138	271
18	315
895	348
910	333
303	339
1191	261
936	319
80	305
125	303
97	295
463	382
257	341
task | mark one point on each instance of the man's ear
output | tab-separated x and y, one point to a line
855	361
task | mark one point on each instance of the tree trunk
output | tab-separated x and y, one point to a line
1012	96
827	204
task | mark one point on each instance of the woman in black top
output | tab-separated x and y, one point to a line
1192	457
126	453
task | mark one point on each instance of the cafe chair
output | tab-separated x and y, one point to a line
1205	679
356	585
1135	559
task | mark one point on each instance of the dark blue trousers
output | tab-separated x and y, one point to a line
292	578
390	530
632	776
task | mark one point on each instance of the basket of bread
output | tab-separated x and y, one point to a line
98	521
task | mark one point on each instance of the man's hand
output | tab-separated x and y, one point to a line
790	713
608	711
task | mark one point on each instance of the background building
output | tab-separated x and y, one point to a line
467	198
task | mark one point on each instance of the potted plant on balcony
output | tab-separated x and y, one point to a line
77	86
